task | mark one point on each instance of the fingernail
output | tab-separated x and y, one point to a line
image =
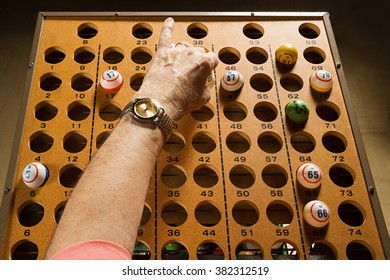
169	19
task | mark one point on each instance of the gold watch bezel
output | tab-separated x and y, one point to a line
146	108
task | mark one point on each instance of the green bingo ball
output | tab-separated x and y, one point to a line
297	111
172	247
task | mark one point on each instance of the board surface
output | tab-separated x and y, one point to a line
225	185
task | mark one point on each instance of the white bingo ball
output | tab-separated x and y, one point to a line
232	81
309	176
316	213
35	175
321	81
111	81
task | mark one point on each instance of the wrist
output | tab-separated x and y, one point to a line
148	111
148	136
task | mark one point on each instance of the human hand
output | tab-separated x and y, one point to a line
177	76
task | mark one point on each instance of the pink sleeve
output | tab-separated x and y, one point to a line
93	250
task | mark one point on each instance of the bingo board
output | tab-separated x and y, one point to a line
239	178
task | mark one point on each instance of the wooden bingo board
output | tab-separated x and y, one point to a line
225	185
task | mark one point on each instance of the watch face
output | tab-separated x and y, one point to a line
146	108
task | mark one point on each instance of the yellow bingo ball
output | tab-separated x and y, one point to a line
286	54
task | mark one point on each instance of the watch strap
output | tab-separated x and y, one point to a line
166	124
128	108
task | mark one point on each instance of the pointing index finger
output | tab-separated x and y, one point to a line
166	32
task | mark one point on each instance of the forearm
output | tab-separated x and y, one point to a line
108	201
100	207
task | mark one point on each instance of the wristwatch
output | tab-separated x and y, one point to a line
147	110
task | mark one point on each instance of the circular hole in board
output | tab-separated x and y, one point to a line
174	251
87	30
238	142
245	213
274	176
59	211
358	250
248	250
321	251
25	250
70	175
136	81
257	55
270	142
113	55
210	251
229	55
235	111
207	214
253	31
54	55
205	113
291	82
30	214
265	111
142	30
41	142
84	55
334	142
78	111
284	250
303	142
173	214
141	251
197	30
173	176
309	30
175	143
74	142
342	175
314	55
141	55
279	213
146	215
205	176
261	82
102	137
328	111
204	142
242	176
351	213
50	82
46	111
81	82
109	112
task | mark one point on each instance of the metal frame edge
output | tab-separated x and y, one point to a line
8	188
370	184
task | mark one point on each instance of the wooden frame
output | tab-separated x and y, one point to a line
228	201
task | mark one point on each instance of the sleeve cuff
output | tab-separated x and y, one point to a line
93	250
